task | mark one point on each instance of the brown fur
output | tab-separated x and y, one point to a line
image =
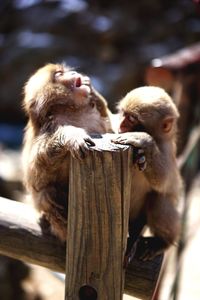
148	121
63	109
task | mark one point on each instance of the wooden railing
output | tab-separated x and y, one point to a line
92	258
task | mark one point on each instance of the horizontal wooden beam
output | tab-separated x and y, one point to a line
21	238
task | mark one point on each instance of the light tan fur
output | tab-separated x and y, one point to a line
63	109
148	121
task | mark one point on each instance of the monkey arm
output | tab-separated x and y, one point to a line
100	102
51	148
163	221
158	161
162	216
74	139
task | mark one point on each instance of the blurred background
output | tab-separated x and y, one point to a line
121	45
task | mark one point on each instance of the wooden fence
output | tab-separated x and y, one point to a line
92	258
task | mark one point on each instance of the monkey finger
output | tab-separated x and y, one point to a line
140	151
129	256
79	155
119	140
148	255
114	140
144	256
83	151
78	151
76	154
124	140
142	164
89	141
142	167
151	247
146	252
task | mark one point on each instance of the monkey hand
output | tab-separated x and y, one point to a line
143	144
77	142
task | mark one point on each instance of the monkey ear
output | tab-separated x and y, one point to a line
167	124
34	114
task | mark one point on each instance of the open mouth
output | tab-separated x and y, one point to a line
81	86
78	82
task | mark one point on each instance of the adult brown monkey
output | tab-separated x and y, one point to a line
148	122
63	109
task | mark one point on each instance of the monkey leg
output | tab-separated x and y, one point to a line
163	220
52	221
52	202
135	229
58	225
149	247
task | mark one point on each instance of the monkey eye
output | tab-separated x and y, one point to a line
58	74
72	73
131	118
139	128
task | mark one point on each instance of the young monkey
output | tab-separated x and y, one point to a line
63	109
148	122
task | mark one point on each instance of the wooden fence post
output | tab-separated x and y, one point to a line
98	222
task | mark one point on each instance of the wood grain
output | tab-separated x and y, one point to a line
98	213
21	237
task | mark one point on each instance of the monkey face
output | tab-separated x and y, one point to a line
148	109
129	123
57	84
78	84
55	89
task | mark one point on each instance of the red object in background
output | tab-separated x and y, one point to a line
197	4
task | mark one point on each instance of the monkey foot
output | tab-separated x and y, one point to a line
150	247
145	248
44	224
129	256
140	159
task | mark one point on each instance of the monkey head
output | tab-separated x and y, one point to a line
148	109
55	88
